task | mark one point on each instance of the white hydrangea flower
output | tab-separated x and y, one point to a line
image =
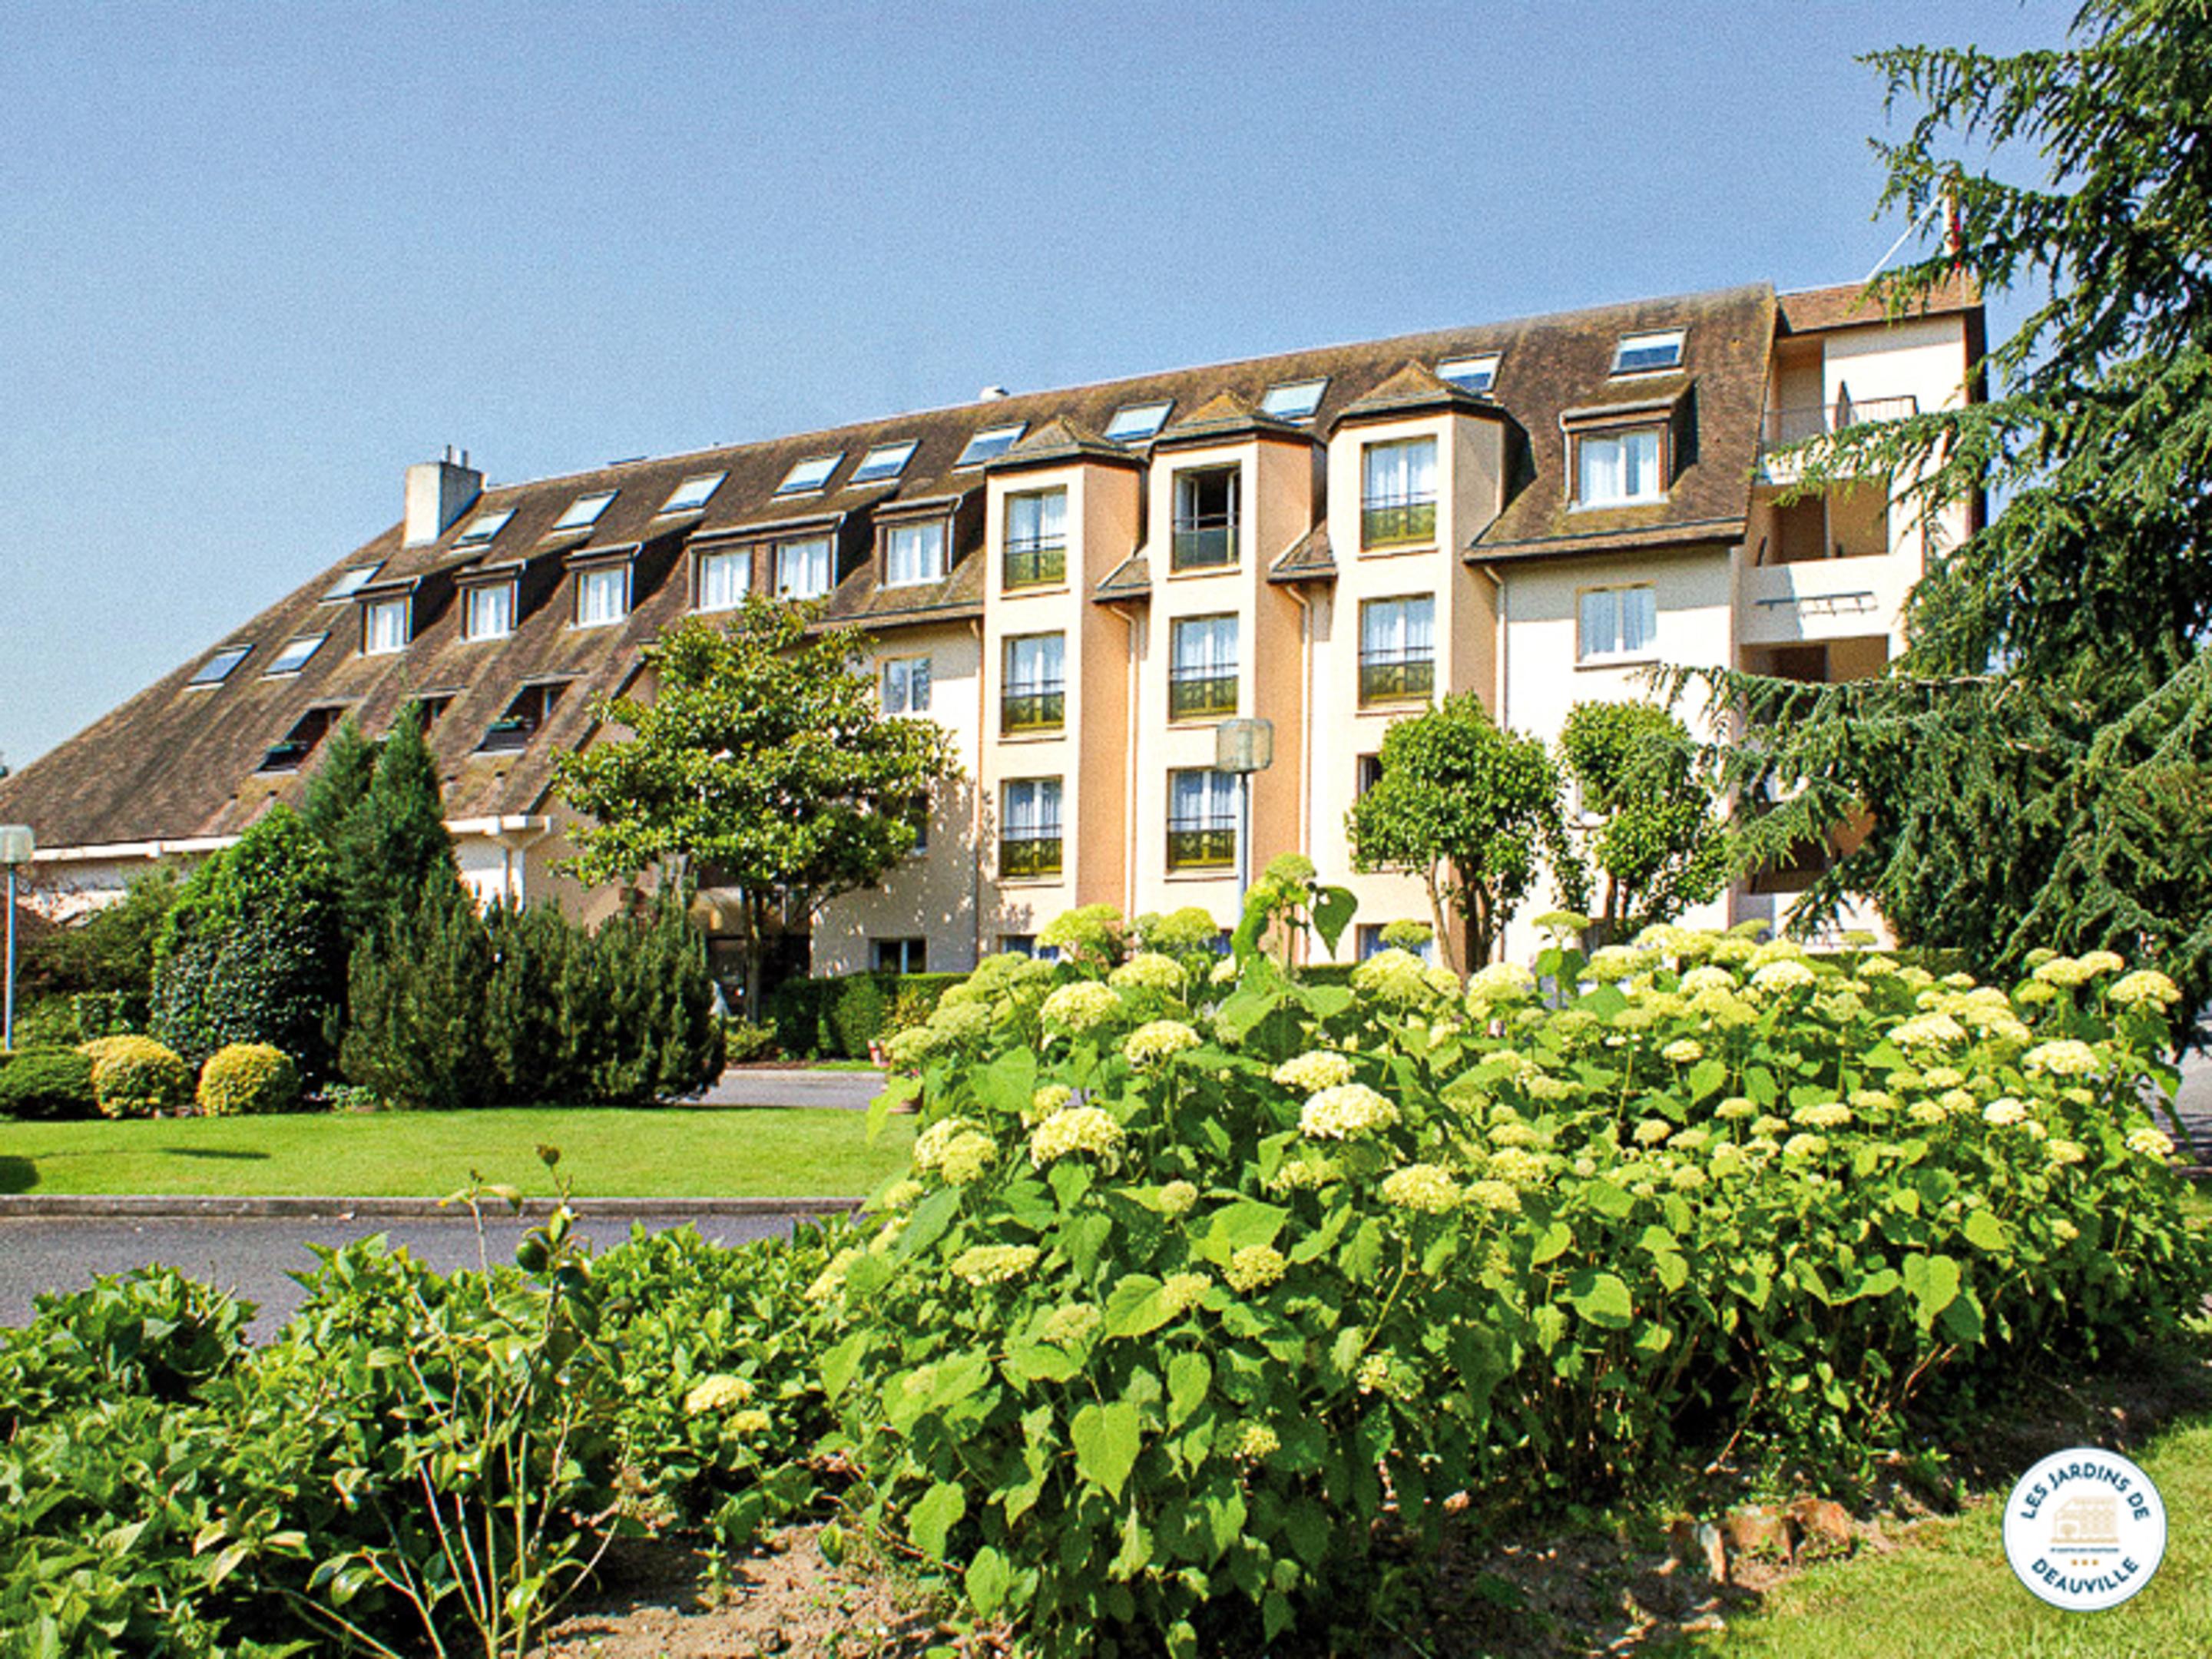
1427	1188
1082	1006
2145	985
1344	1111
1926	1112
1928	1031
994	1264
2063	972
2103	962
1683	1051
1500	981
1392	975
1313	1072
1804	1145
1148	970
1254	1268
1777	950
1698	981
1611	963
1736	1106
1515	1164
1224	972
929	1145
1496	1196
1177	1197
2003	1112
1047	1102
2064	1151
1829	1114
1078	1130
2065	1057
1159	1040
1782	974
1180	1292
2150	1142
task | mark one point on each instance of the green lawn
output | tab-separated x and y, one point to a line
1948	1594
672	1152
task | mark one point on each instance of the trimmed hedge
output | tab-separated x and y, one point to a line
246	1077
45	1083
137	1077
838	1017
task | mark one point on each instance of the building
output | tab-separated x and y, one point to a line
1080	584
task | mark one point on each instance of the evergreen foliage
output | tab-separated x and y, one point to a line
110	951
415	998
248	1077
379	808
1649	834
45	1083
137	1077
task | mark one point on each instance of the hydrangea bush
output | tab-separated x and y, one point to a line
1193	1270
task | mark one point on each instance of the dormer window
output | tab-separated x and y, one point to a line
602	595
990	442
1622	467
692	494
1133	423
290	752
1293	400
1646	353
914	553
218	668
1474	373
810	475
384	626
351	582
532	708
488	613
584	512
482	528
884	461
295	656
723	579
803	568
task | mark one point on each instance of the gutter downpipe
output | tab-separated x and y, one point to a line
1297	591
975	806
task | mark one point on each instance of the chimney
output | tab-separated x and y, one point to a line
438	492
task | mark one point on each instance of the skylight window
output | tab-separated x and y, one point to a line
482	528
694	493
1470	373
294	655
991	442
351	582
1132	423
584	512
884	461
1640	354
1293	400
809	474
217	668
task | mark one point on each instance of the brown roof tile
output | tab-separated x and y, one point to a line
1306	560
1848	305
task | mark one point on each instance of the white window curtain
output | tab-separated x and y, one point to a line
1039	519
1618	622
914	553
802	568
1035	663
722	581
906	685
1203	799
1205	646
387	627
602	597
1401	472
1399	629
1033	809
491	611
1621	467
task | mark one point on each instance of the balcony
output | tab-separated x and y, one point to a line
1206	543
1042	706
1036	563
1029	857
1201	844
1394	523
1781	428
1200	696
1396	677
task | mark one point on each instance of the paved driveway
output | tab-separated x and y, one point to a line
766	1085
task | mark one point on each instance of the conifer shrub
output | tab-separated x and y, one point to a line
137	1077
46	1084
248	1077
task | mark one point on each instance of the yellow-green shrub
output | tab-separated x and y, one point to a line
137	1077
248	1076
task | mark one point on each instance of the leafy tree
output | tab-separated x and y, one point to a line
379	809
1472	810
2036	765
762	762
1650	834
112	949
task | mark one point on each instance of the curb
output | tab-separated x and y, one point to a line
141	1207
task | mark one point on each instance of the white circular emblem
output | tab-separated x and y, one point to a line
2085	1529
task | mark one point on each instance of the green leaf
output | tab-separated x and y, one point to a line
1190	1377
1601	1299
931	1218
1133	1307
840	1363
935	1516
1556	1241
1239	1226
1608	1199
1983	1231
1933	1281
1105	1438
988	1579
1333	910
1706	1077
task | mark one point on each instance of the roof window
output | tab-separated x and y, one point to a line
1641	354
513	730
294	655
884	461
694	493
351	582
1470	373
1132	423
584	512
290	752
991	442
482	528
809	475
217	668
1293	400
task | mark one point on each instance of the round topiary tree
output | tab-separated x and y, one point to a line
46	1083
137	1077
248	1077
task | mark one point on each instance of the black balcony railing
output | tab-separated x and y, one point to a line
1780	428
1029	856
1396	676
1201	695
1041	707
1201	844
1206	543
1381	523
1036	562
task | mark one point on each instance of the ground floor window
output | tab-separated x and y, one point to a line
901	956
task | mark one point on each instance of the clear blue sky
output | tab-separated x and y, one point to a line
255	259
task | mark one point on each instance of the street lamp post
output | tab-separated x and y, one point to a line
1244	747
16	845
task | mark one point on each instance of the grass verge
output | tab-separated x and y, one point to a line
669	1151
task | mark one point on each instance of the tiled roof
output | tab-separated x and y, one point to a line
1848	305
1306	560
1132	579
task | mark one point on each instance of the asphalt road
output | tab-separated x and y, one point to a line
254	1256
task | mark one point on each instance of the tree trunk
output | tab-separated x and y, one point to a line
1445	937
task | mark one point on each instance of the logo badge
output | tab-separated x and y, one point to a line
2085	1529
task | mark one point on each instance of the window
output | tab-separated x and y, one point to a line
1617	622
294	655
1205	518
1132	423
352	581
917	817
584	512
802	568
426	709
1029	840
1034	697
217	668
482	528
990	441
810	475
1397	650
914	553
1202	671
1476	374
901	956
290	753
723	579
532	708
1366	773
384	627
1615	467
1201	820
1642	354
488	613
884	461
602	596
693	493
1293	400
906	685
1036	539
1398	498
1369	941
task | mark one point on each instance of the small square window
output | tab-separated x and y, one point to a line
218	668
1132	423
906	685
1616	623
584	512
352	581
810	475
1293	400
384	627
602	596
1642	354
884	461
482	528
1470	373
1615	468
489	612
294	655
914	553
992	440
693	493
723	579
1367	772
